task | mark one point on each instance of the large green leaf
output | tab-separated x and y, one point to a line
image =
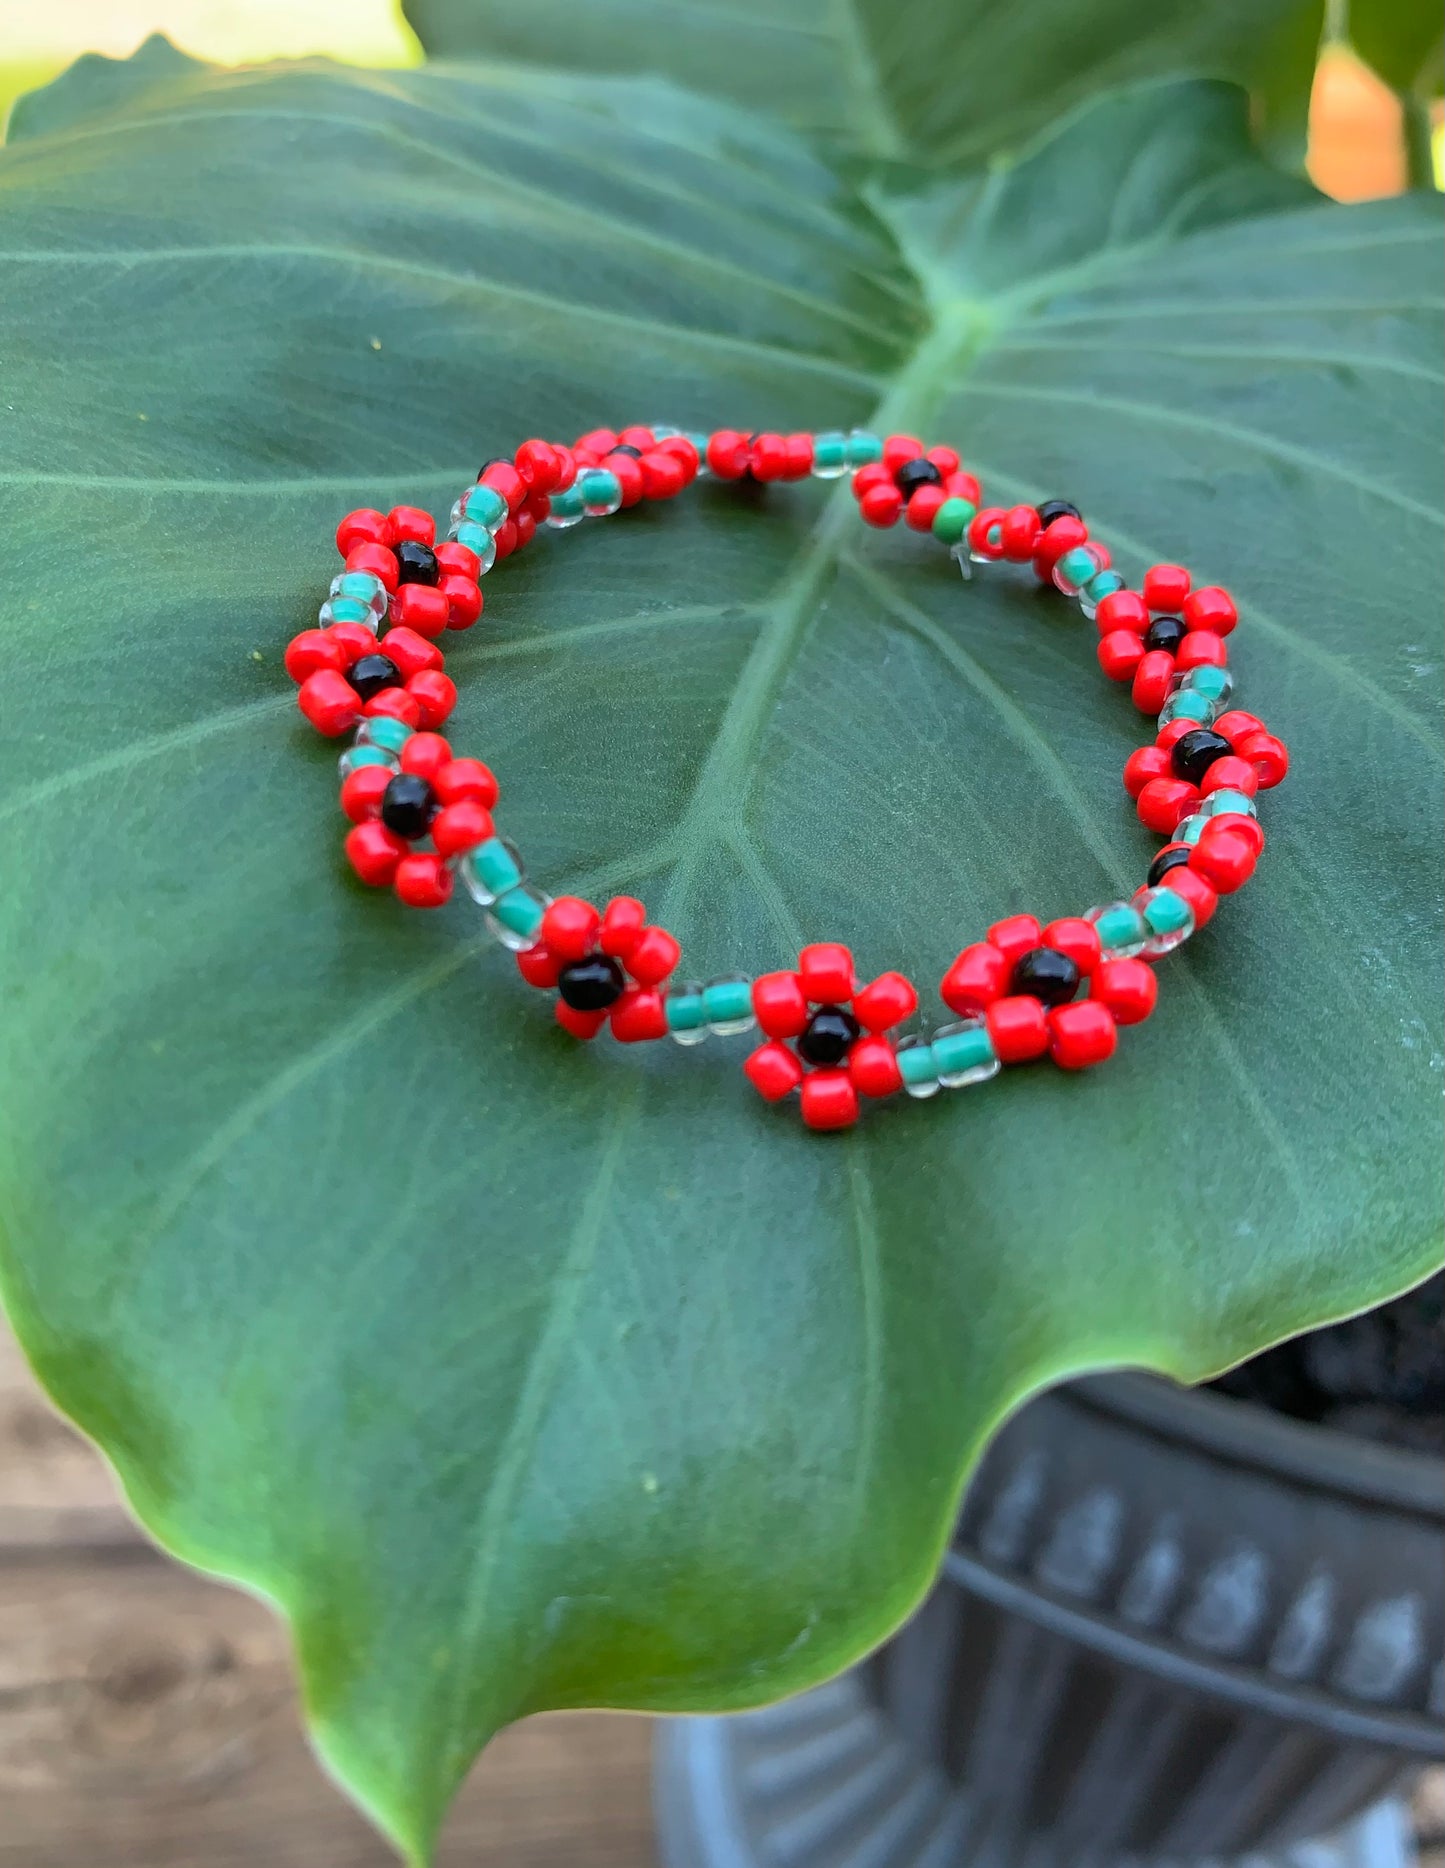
938	83
522	1374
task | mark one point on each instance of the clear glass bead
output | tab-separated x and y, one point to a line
478	540
515	918
965	560
1078	567
360	755
963	1053
601	492
491	869
686	1012
565	508
1168	919
727	1003
830	455
1121	929
917	1066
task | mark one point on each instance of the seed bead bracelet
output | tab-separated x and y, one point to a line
422	816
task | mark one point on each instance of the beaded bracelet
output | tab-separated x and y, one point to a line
422	816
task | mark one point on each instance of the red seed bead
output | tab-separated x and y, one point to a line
526	524
1019	1028
424	755
394	704
622	923
539	466
1170	734
873	474
539	966
458	560
1269	756
898	449
311	651
435	693
654	954
578	1024
409	651
983	532
1122	609
686	452
779	1005
1164	802
505	541
374	853
329	702
463	599
1149	762
1015	936
944	459
1210	608
1151	681
1188	882
361	792
628	475
1237	725
458	779
1078	938
663	474
421	607
503	478
1063	535
826	971
410	522
977	977
570	927
774	1071
727	454
1165	587
1082	1034
1249	828
1019	533
354	640
1230	773
1224	859
376	559
1201	648
1120	653
768	457
460	827
597	442
881	505
1129	988
365	526
423	880
637	437
923	503
884	1002
873	1067
639	1015
800	457
829	1099
962	485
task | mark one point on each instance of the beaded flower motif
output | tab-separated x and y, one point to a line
606	966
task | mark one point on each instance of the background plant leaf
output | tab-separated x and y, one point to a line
940	84
523	1374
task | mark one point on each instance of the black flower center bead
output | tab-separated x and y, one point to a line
1175	857
1047	975
408	805
1193	753
1057	509
416	563
1165	632
829	1035
916	473
373	673
591	984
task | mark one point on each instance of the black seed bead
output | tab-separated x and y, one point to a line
914	474
497	460
373	673
1058	509
1174	857
830	1034
1193	753
626	447
1045	973
416	564
591	985
408	805
1165	632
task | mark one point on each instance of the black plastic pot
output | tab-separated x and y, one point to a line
1173	1629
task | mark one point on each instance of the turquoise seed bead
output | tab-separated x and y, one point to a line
964	1054
728	1002
495	867
1102	584
355	757
1192	828
484	505
565	507
520	910
953	519
1186	705
364	586
830	454
863	448
918	1068
1078	566
1165	912
382	730
1220	802
1120	927
600	490
346	610
686	1010
477	539
1215	684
